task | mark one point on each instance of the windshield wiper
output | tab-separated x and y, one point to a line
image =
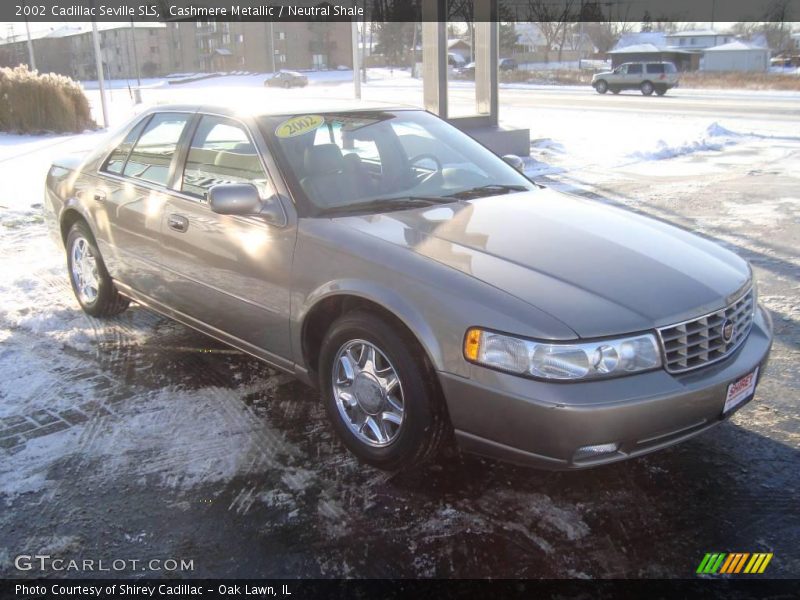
391	203
491	189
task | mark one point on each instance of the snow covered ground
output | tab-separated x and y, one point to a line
149	432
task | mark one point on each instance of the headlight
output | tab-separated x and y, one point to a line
562	361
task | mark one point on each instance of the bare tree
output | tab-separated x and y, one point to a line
553	20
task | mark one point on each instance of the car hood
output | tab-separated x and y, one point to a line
599	269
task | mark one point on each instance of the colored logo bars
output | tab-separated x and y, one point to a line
733	563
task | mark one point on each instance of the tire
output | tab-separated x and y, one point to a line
287	84
91	283
661	91
353	396
601	86
615	90
647	88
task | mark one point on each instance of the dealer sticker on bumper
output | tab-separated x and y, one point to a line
740	390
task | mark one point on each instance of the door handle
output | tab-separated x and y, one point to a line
99	196
178	222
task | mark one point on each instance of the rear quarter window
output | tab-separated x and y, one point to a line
655	69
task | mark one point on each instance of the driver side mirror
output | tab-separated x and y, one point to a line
515	161
243	199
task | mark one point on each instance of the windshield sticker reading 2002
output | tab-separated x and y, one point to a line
299	125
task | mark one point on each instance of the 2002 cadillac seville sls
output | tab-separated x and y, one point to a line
422	283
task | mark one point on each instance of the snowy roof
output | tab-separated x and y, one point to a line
695	33
653	38
735	46
66	31
455	41
76	29
645	49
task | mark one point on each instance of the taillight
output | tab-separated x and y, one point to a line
662	76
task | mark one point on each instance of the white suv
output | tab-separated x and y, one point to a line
648	77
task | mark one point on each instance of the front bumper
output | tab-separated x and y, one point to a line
543	424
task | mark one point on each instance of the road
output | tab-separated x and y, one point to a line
675	102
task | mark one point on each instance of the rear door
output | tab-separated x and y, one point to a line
229	273
130	204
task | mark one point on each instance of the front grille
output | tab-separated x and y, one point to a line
700	342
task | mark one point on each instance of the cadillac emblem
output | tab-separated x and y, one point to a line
727	331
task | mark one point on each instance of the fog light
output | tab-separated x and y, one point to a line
588	452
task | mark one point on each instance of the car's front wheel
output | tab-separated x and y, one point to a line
380	393
601	87
647	88
90	280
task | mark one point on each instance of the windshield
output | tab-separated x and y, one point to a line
381	160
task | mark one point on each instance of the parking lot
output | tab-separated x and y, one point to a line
137	438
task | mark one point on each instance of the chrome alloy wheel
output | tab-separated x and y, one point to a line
84	270
368	393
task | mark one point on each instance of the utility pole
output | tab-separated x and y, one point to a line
100	76
137	94
580	36
31	57
356	62
272	44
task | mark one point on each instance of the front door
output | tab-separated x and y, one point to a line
229	273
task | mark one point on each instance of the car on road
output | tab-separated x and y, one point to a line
287	79
504	64
507	64
426	287
647	77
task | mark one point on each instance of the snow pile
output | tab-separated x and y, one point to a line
714	138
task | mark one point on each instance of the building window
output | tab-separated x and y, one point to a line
281	35
281	58
318	61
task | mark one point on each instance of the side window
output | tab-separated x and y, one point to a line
623	70
634	69
655	68
222	152
151	156
116	160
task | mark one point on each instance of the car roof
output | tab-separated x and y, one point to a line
256	108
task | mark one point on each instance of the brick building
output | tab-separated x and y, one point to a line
158	49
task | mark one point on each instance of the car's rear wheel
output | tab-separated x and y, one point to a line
90	280
380	393
647	88
661	91
615	90
601	87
